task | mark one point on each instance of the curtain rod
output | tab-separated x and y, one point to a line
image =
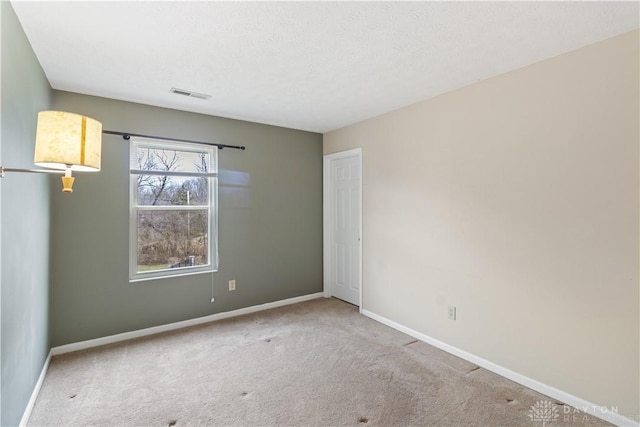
127	136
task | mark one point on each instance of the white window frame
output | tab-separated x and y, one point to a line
134	208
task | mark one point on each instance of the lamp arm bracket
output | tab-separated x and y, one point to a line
3	170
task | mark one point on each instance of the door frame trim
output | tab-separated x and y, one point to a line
326	218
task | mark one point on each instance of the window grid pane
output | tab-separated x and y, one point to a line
161	190
172	239
171	157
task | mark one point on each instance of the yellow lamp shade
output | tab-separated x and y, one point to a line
68	141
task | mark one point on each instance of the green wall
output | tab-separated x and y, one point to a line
24	224
270	224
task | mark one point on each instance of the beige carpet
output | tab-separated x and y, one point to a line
318	363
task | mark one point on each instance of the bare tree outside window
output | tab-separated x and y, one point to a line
172	211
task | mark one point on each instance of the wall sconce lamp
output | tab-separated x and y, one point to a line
65	142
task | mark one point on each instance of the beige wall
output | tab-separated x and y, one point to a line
516	200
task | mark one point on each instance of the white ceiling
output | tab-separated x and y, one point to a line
315	66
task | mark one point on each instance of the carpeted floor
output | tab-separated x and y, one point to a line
317	363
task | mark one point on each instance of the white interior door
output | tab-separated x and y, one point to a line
343	214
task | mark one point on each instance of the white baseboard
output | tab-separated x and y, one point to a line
82	345
581	404
35	392
588	407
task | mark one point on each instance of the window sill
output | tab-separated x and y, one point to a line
171	276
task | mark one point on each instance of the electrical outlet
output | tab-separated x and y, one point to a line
452	312
232	285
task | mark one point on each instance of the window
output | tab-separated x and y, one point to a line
173	206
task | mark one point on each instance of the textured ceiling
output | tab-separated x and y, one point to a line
315	66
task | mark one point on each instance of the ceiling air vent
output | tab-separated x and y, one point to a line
189	93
